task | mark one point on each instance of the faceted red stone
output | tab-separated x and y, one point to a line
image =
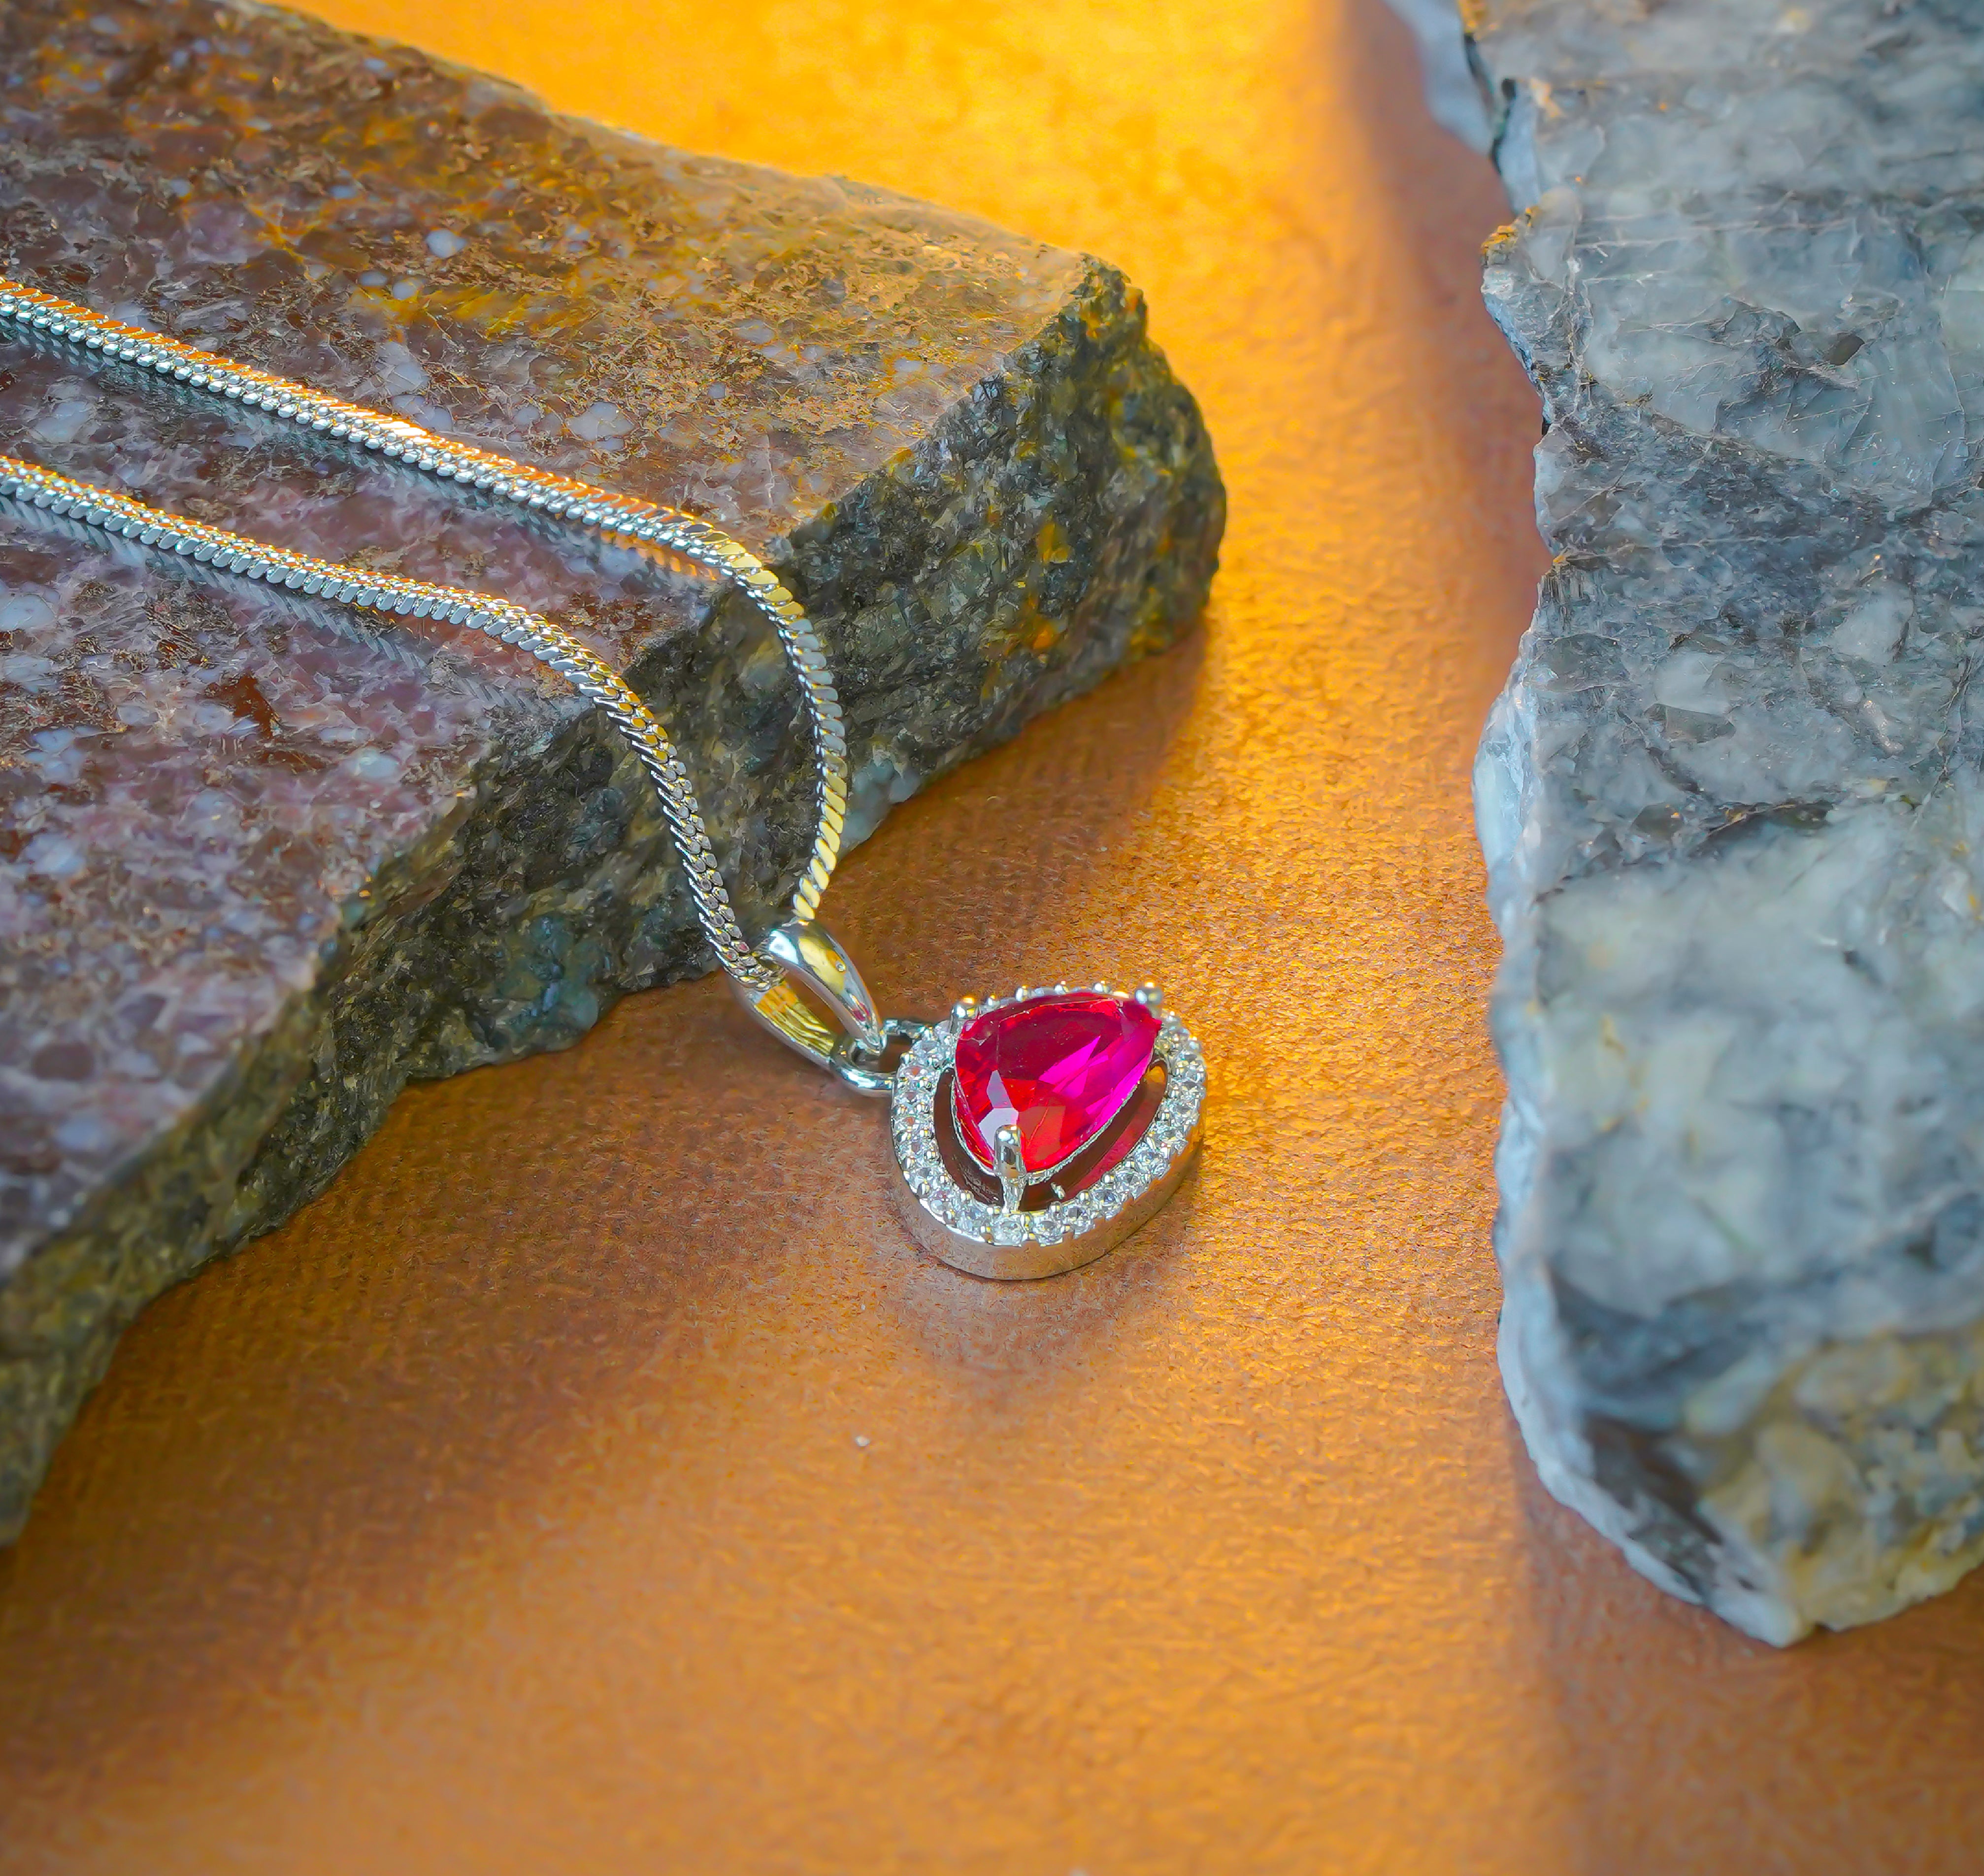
1059	1067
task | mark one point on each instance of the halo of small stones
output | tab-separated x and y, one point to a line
914	1121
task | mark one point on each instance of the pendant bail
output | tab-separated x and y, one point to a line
807	951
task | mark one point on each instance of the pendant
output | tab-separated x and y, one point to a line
1032	1132
1035	1132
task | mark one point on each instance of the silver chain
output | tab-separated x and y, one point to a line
597	510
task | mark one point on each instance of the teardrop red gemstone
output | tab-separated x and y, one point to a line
1059	1067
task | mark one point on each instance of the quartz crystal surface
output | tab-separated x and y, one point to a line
1730	800
260	862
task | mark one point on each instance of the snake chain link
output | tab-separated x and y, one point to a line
597	510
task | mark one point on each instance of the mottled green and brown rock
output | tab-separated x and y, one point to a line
259	865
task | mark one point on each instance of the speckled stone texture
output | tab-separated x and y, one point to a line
259	864
1732	801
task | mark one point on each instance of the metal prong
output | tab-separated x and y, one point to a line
1012	1168
1151	997
965	1008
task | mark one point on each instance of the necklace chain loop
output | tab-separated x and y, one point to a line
541	490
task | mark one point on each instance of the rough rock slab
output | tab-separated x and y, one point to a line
259	865
1730	801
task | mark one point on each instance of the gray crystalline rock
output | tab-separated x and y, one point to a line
1732	799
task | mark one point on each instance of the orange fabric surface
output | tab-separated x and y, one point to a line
510	1510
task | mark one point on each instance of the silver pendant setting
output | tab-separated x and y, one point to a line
1007	1221
1009	1236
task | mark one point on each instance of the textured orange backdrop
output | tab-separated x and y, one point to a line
508	1510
